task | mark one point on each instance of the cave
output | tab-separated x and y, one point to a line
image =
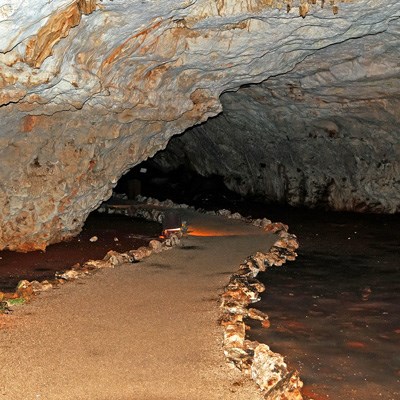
78	111
287	110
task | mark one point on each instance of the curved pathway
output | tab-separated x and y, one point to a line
145	331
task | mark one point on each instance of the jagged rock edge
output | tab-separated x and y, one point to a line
266	368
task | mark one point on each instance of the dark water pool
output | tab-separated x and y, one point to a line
335	312
114	232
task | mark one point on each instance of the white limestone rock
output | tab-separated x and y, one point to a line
268	368
155	245
89	89
325	134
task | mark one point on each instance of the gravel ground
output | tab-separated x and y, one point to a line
145	331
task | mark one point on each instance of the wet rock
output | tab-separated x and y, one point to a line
256	222
173	240
140	199
249	268
235	215
68	275
276	227
288	241
24	290
250	289
270	372
46	285
262	223
228	318
147	214
260	259
265	222
288	388
249	282
233	307
256	314
268	368
251	265
234	334
168	203
236	296
120	196
239	357
224	213
102	209
114	258
153	202
155	245
140	253
274	257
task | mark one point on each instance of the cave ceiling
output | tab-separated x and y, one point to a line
88	89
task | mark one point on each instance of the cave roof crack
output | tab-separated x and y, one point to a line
296	63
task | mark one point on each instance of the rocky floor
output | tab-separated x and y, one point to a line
146	330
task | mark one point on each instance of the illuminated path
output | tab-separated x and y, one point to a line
137	332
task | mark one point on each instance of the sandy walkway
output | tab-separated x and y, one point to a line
140	331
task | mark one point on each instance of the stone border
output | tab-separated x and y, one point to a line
27	290
256	360
266	368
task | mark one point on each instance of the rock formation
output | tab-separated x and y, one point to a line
324	134
89	89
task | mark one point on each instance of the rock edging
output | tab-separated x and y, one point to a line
256	360
27	290
267	368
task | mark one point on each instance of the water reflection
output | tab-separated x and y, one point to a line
335	312
114	232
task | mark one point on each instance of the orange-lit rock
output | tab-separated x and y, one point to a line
88	90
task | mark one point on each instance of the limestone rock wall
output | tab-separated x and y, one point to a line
326	133
89	89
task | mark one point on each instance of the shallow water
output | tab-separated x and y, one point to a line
114	232
335	311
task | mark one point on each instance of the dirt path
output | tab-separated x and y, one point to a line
144	331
